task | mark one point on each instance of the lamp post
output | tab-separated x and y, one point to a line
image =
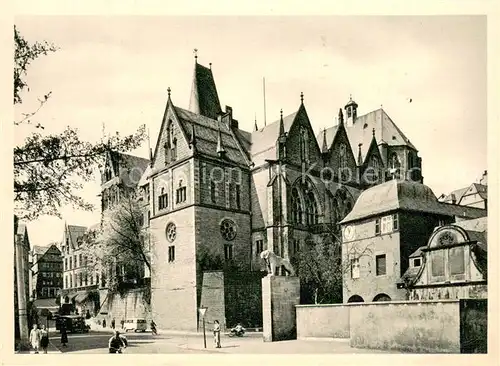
202	310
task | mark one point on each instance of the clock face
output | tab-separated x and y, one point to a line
349	232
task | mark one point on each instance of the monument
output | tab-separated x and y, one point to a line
280	294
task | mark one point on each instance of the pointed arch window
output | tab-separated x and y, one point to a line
297	210
394	166
375	165
311	209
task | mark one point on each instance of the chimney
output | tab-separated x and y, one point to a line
484	178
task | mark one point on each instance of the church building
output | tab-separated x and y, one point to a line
219	195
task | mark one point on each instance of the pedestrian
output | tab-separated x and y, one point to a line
44	339
217	334
113	323
64	334
104	323
35	337
122	322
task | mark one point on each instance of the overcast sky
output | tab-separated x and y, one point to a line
116	71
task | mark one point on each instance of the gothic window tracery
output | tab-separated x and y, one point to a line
297	209
311	208
304	145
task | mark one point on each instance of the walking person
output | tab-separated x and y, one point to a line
104	323
217	334
122	322
44	338
113	323
64	334
35	337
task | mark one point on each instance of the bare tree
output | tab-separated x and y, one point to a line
120	245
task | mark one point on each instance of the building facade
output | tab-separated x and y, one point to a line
388	223
219	195
46	272
453	264
21	241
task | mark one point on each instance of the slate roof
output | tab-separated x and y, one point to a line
417	253
405	195
458	194
206	132
479	224
264	140
40	250
75	232
409	276
144	178
361	132
204	98
130	167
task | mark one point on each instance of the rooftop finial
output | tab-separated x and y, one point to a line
282	125
373	132
281	113
169	91
341	116
350	97
210	65
301	97
195	51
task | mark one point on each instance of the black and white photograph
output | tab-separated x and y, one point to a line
246	184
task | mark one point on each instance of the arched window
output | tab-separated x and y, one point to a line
374	164
296	207
311	209
395	166
181	192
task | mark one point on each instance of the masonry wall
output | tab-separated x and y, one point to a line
415	327
173	284
322	321
212	298
131	305
423	327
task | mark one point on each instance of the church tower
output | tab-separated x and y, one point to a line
351	109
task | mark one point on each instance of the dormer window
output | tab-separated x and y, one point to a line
417	262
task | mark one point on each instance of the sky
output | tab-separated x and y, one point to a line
111	73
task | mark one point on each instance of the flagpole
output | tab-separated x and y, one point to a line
264	89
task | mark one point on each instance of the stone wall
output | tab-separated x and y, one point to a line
280	295
406	326
212	297
409	326
322	321
130	305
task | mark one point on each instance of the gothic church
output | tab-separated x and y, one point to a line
219	195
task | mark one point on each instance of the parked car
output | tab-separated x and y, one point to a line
73	323
135	324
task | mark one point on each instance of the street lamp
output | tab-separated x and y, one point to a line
202	310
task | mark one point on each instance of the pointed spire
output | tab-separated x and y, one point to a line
220	147
256	127
282	125
341	117
324	148
360	157
192	139
150	157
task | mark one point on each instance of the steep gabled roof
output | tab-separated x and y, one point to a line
204	98
264	140
40	250
361	132
74	232
206	131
